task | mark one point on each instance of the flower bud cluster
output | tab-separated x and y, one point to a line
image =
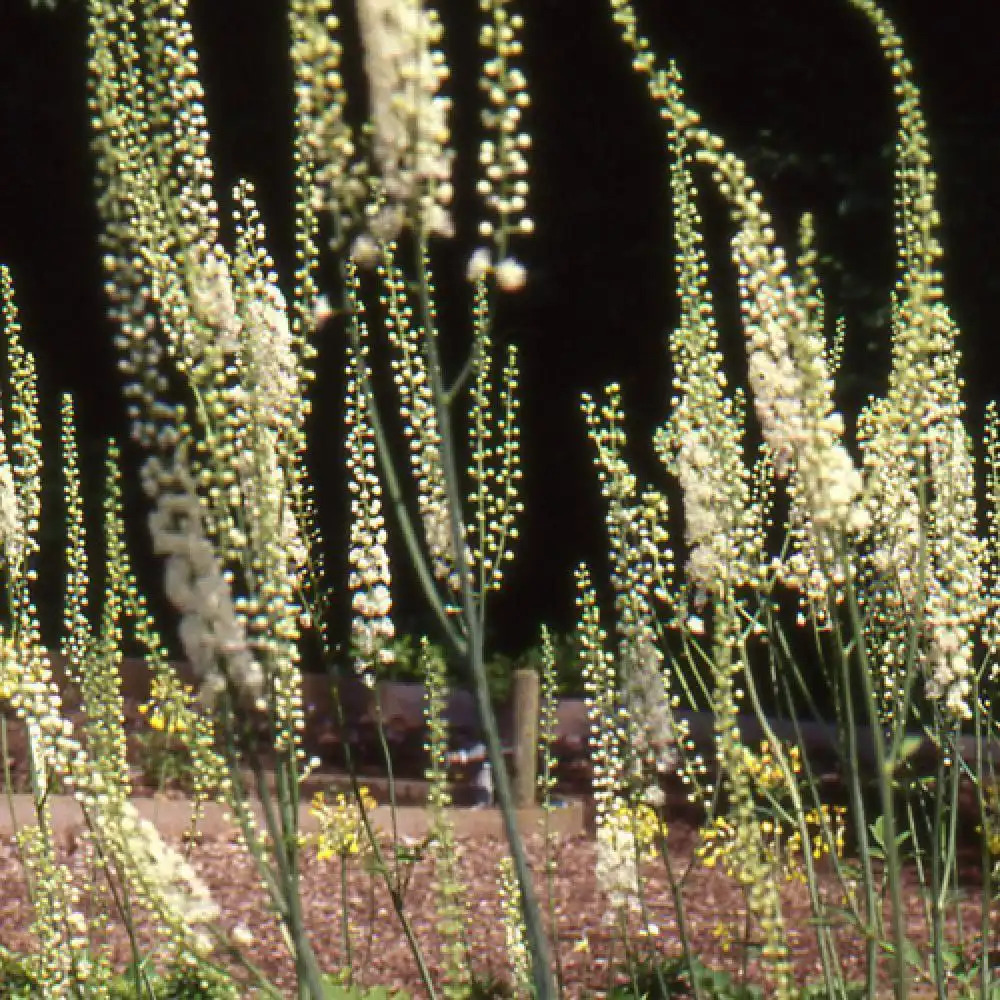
156	873
925	551
10	517
954	608
21	467
326	144
503	153
599	681
65	956
495	460
221	339
703	442
792	391
419	415
370	578
511	912
616	869
641	562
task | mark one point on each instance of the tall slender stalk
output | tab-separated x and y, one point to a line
471	616
885	766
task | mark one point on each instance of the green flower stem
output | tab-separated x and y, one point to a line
942	874
848	727
546	782
281	887
678	899
392	886
537	942
827	953
985	857
284	847
345	920
884	769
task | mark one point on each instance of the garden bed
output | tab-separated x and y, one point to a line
589	944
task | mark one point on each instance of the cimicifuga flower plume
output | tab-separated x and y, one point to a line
157	876
93	773
9	520
217	367
513	929
641	564
168	874
77	637
991	556
703	442
20	451
325	148
790	384
214	639
600	687
370	578
406	69
66	955
617	798
925	557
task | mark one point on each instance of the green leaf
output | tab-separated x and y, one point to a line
909	746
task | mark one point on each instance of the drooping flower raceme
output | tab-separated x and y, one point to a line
210	632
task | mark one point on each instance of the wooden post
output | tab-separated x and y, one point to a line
525	737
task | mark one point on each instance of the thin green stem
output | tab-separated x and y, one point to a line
537	942
884	770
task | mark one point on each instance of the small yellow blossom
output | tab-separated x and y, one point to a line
341	831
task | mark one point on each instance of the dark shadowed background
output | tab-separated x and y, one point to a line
798	89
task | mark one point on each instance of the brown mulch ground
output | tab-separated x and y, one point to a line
589	948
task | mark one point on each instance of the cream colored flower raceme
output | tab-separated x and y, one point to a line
370	579
10	519
641	565
791	388
703	442
159	876
418	410
406	69
210	631
926	554
166	871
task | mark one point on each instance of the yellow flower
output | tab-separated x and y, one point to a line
341	829
724	933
